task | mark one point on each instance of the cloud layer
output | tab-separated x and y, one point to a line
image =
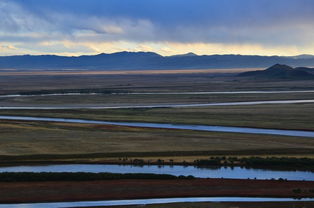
74	27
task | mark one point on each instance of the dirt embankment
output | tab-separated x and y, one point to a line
14	192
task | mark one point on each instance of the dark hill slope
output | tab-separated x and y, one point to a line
279	71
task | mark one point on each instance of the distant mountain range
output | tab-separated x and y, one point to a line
147	60
279	71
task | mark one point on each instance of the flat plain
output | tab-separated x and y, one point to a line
65	141
35	142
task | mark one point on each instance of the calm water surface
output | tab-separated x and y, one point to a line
229	129
156	105
164	93
221	172
149	201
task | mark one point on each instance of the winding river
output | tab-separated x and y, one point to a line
149	201
156	105
159	105
163	93
221	172
223	92
230	129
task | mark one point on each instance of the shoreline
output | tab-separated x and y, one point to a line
8	114
226	205
207	162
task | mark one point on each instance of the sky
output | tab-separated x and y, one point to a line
167	27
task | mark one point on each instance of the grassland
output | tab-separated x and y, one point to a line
19	192
280	116
24	142
142	83
46	141
136	99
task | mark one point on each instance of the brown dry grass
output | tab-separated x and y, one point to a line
44	138
134	189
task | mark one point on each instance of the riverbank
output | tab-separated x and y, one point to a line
270	116
216	162
167	126
228	205
53	191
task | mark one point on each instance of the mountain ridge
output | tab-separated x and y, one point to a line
145	60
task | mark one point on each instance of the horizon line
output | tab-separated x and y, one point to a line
124	51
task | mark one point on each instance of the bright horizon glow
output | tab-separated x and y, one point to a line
170	49
89	27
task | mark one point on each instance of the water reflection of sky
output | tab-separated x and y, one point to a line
222	172
147	201
229	129
126	106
